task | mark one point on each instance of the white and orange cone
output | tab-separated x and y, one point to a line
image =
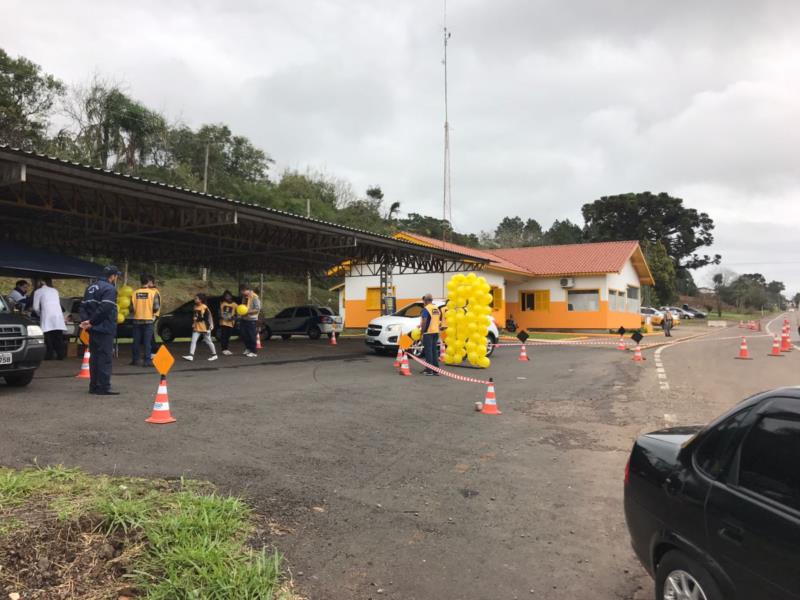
404	370
637	354
399	358
333	338
744	354
258	341
741	324
161	414
490	402
442	348
776	347
786	342
523	354
84	372
621	345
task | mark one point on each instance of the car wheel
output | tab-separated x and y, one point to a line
490	343
679	577
19	379
267	334
314	332
166	333
285	336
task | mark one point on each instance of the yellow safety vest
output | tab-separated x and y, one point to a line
143	301
436	318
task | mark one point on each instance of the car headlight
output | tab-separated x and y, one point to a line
35	331
393	328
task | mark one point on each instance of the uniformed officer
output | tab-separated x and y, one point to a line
146	304
99	317
430	324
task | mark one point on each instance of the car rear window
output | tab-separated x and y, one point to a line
718	446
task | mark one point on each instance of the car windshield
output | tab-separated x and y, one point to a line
3	305
411	311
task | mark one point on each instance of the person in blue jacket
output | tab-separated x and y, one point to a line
98	313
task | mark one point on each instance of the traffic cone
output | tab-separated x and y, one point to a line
743	353
399	358
786	343
161	414
404	370
523	354
84	372
621	345
490	402
258	341
442	348
776	347
637	354
333	339
741	324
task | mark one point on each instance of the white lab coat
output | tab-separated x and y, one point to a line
46	304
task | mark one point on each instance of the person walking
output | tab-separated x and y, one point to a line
430	324
98	313
666	324
146	304
248	323
18	297
227	320
47	304
202	326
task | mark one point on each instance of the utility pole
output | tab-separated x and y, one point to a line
308	272
205	171
447	201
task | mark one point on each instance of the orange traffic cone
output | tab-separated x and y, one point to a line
637	354
84	372
786	343
490	402
741	324
776	347
743	353
404	370
399	358
161	414
258	341
523	354
333	339
621	345
442	348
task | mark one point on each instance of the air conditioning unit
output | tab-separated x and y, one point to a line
567	282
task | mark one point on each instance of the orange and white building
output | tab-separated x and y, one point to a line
595	286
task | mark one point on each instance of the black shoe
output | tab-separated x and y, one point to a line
106	393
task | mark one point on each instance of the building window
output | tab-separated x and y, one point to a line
374	297
633	299
583	300
535	301
616	301
497	298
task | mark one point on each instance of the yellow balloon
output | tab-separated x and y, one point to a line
120	318
241	310
124	301
416	333
126	290
484	362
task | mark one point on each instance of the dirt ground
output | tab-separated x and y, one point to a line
381	486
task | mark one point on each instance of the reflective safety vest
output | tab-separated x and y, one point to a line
201	319
145	304
227	313
435	322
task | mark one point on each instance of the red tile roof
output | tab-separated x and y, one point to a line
496	261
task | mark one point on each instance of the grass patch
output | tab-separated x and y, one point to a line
101	537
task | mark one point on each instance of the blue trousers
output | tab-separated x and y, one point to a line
101	347
142	336
247	331
430	348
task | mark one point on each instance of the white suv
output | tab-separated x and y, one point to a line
383	333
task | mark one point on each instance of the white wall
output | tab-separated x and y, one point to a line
557	293
412	285
621	281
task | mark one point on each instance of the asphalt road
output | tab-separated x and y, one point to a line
379	486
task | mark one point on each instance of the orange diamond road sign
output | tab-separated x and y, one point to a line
405	342
84	337
163	360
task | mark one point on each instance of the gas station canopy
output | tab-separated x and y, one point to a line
78	210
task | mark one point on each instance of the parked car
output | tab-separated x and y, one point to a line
177	323
308	320
698	314
22	347
714	512
656	316
677	314
383	333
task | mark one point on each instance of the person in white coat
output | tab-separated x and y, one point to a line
47	305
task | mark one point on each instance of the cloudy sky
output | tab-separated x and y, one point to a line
552	104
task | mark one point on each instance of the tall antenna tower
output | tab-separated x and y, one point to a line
447	201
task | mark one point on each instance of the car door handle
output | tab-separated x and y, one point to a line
732	533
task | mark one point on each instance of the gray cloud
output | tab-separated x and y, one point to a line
552	104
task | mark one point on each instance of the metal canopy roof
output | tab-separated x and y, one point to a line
81	210
21	260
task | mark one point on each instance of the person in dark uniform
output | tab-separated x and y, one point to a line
99	317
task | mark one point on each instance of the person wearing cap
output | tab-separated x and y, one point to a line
98	313
146	304
430	324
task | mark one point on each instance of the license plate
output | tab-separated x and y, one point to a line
5	358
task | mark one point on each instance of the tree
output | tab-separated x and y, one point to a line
663	271
27	96
563	232
513	232
647	217
796	300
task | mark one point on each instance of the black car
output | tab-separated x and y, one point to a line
696	314
177	323
22	347
714	512
308	320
